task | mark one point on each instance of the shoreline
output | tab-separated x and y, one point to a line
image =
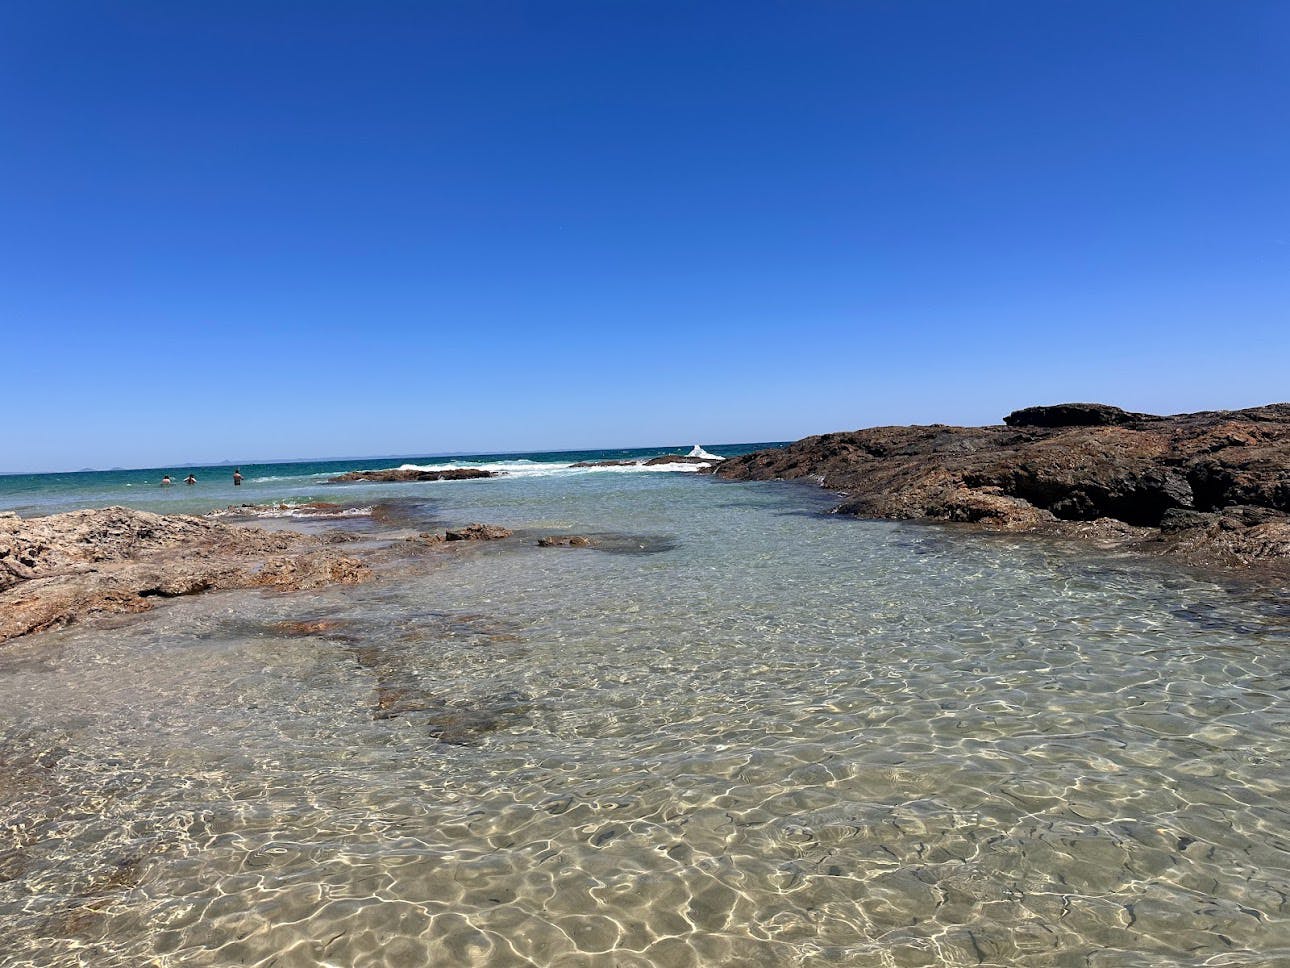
1210	491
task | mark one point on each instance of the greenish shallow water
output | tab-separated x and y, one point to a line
767	737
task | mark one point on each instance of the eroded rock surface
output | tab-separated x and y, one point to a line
55	570
1212	486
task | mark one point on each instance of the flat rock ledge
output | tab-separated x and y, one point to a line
58	569
405	475
1211	487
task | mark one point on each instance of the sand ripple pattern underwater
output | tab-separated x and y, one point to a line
763	736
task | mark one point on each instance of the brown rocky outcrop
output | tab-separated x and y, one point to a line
404	475
55	570
478	532
1213	486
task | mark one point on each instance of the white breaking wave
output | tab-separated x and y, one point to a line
698	451
518	467
319	476
290	511
530	468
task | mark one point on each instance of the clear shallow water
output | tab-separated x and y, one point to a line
768	737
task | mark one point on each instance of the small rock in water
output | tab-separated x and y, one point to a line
478	532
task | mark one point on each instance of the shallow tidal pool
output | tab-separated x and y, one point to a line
750	733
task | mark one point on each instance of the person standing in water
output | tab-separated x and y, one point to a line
165	480
190	479
237	475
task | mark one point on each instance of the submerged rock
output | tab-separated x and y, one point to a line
403	475
1064	468
612	542
564	541
302	628
471	532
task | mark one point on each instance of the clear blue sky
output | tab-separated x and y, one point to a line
248	230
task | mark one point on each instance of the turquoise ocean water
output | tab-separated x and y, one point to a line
271	482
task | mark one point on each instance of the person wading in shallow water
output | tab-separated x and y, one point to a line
165	481
190	479
237	475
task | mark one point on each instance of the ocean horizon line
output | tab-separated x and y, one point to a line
410	456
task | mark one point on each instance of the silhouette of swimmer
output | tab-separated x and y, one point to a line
190	479
237	475
165	481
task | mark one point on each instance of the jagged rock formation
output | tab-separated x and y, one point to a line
55	570
1213	486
